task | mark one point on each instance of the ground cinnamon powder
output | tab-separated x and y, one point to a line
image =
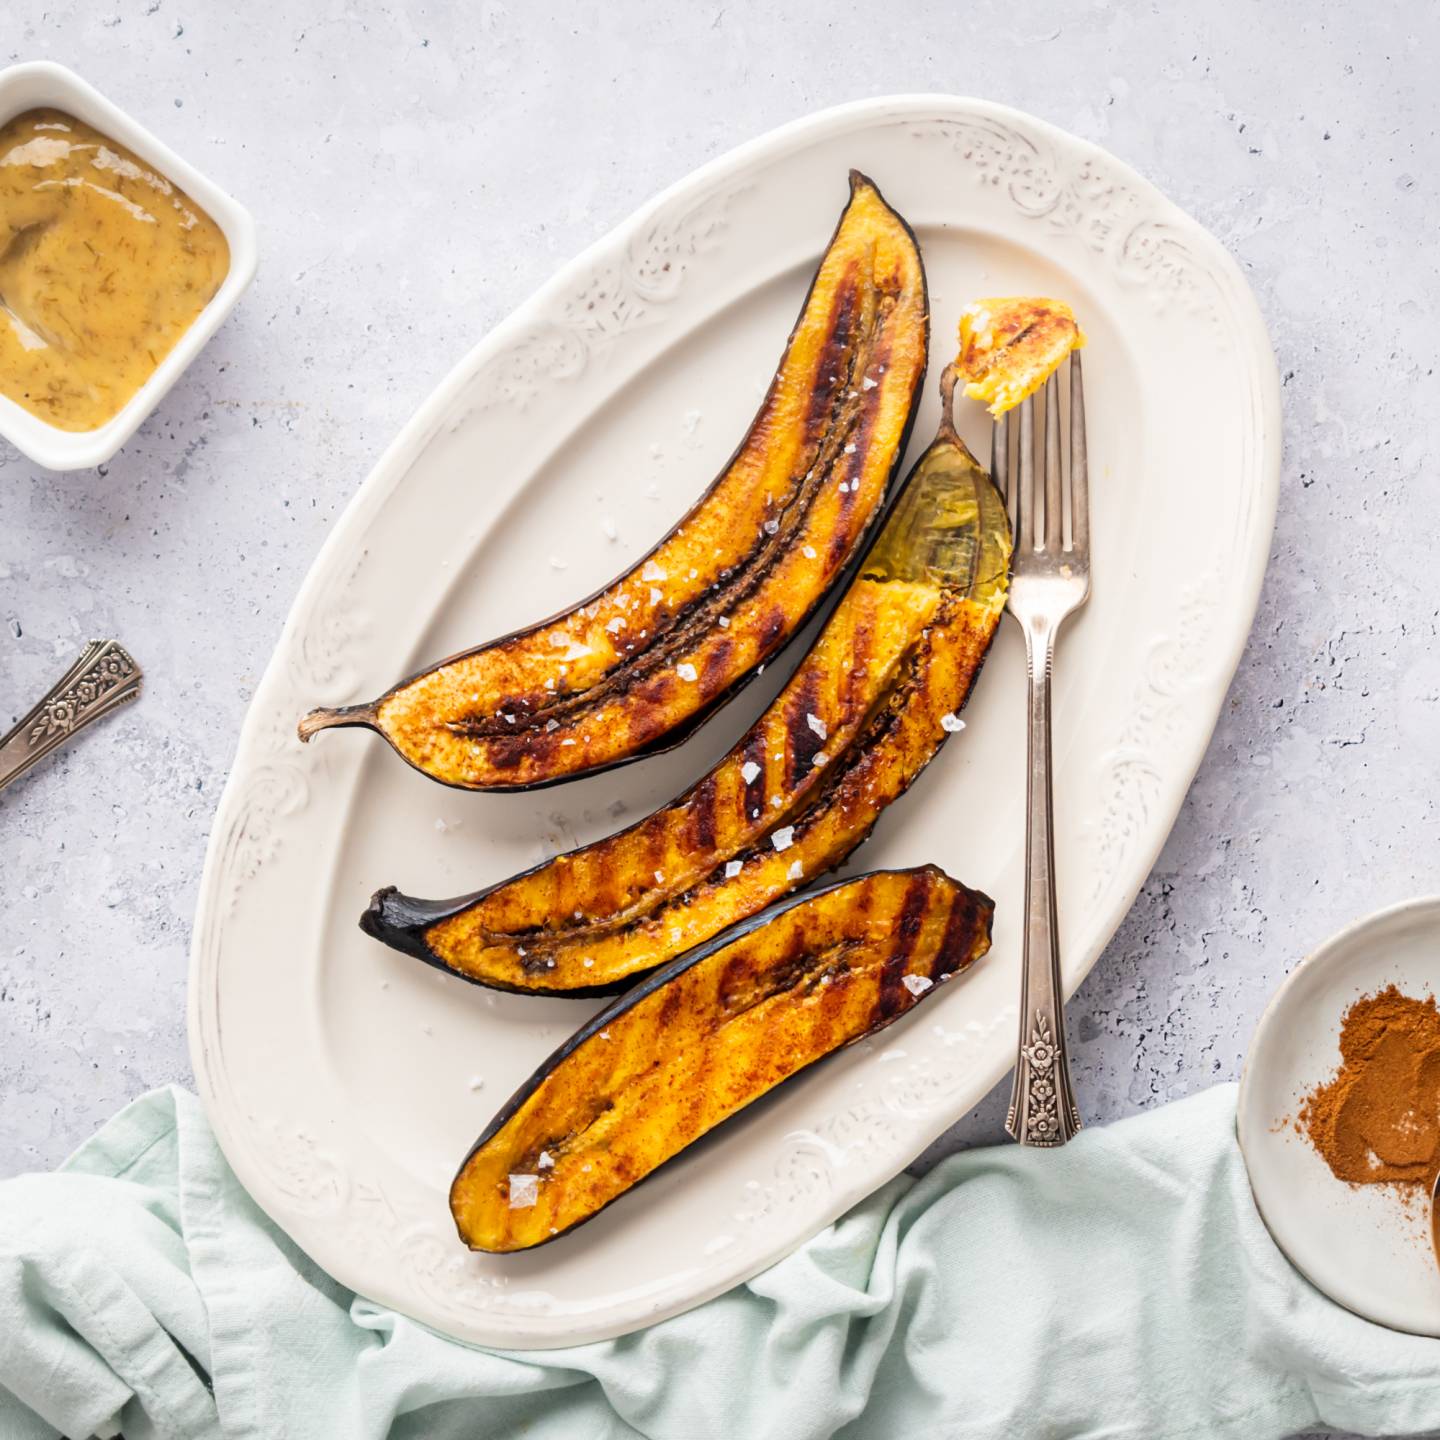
1378	1120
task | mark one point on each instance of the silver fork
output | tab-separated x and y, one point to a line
1049	508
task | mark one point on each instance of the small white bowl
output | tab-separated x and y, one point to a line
40	83
1355	1243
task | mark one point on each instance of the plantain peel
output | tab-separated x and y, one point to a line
868	707
640	663
1010	346
702	1039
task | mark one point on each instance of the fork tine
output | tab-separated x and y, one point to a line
1079	463
1025	530
1054	519
1012	477
1011	424
1000	456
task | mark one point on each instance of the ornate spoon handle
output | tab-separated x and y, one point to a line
102	678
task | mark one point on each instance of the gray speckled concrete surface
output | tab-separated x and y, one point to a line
416	170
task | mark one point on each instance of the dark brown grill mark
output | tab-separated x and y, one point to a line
656	849
746	982
850	471
702	814
969	916
735	979
771	628
671	1006
893	995
713	676
802	743
862	643
508	752
755	798
835	359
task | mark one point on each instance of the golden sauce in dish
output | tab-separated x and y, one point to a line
104	264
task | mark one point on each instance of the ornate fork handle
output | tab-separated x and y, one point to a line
104	677
1042	1103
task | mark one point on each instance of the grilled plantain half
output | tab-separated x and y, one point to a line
705	1036
868	707
636	666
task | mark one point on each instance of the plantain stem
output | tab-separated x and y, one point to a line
318	720
947	401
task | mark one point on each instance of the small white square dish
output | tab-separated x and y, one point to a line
43	85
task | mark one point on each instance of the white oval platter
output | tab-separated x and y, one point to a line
1357	1243
345	1081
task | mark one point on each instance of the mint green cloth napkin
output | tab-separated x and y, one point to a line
1123	1286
